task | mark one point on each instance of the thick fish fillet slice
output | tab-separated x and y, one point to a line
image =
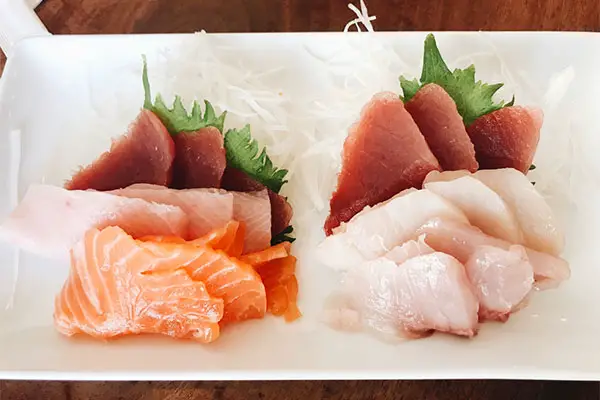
536	219
281	210
445	176
502	280
376	230
207	209
436	115
383	154
483	207
117	287
254	210
227	278
142	155
507	138
425	293
279	278
408	250
50	220
200	159
461	240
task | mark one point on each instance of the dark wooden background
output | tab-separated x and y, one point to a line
150	16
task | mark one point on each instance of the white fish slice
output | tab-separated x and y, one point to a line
483	207
502	280
207	209
376	230
50	220
541	230
425	293
461	241
210	209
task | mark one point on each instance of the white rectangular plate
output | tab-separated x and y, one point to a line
62	98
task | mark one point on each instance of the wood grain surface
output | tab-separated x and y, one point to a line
150	16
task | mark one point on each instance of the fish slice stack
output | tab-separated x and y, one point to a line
433	222
176	230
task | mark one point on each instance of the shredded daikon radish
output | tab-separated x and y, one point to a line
362	18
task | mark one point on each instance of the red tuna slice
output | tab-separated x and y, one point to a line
200	159
143	155
507	138
281	211
435	113
383	154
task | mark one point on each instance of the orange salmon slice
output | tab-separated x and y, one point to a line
117	287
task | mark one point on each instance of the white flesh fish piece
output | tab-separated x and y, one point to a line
483	207
210	209
502	280
50	219
376	230
461	241
428	292
538	223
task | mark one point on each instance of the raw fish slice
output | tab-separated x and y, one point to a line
483	207
50	220
502	280
281	285
383	154
435	113
408	250
227	278
281	211
461	240
540	227
445	176
376	230
207	209
116	287
507	138
426	293
254	210
535	217
143	155
200	160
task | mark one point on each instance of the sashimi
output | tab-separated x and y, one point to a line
274	265
200	160
507	138
408	250
435	113
253	209
376	230
536	219
276	252
383	154
281	211
207	209
228	238
50	220
445	176
483	207
425	293
502	280
461	240
225	277
541	230
281	285
143	155
117	287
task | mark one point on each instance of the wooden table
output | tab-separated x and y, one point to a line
149	16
